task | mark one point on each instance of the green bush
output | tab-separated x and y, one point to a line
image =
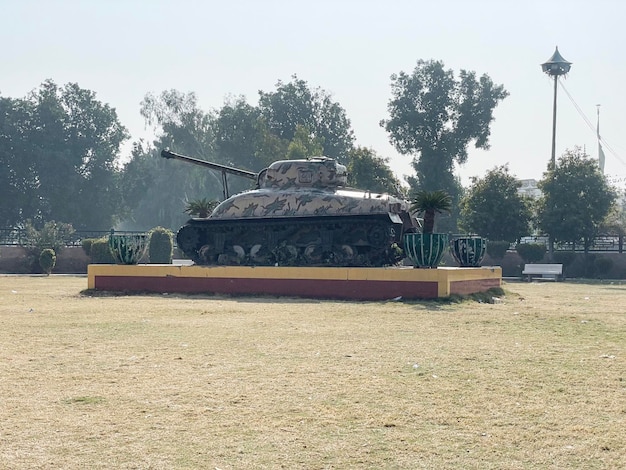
602	266
161	246
497	249
53	235
531	252
47	260
589	265
86	244
101	252
566	258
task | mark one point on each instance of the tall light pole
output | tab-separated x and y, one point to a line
555	67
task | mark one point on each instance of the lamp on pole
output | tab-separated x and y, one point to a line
555	67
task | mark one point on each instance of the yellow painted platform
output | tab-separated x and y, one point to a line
313	282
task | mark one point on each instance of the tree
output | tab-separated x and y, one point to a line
156	188
18	183
576	199
367	170
434	116
61	146
304	144
615	223
493	208
179	122
241	136
294	104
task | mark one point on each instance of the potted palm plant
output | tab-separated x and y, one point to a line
426	249
201	208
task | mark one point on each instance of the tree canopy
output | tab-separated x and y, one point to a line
295	104
61	148
433	117
576	199
293	121
493	208
366	170
242	137
159	189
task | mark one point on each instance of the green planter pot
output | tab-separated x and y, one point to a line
468	251
425	249
128	249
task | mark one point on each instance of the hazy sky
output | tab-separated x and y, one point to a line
123	49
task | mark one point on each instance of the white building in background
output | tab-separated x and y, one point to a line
529	188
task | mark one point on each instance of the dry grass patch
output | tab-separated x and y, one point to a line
163	382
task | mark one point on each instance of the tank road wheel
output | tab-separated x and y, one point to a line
378	236
207	254
343	255
260	255
314	254
233	256
240	253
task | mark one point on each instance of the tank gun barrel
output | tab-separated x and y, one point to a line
214	166
223	169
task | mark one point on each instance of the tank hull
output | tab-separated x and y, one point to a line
306	202
340	240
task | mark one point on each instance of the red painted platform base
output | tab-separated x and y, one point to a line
329	283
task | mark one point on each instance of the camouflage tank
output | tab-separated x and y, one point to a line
300	214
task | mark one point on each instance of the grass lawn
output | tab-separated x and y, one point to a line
537	380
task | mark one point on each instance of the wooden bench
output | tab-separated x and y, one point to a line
546	271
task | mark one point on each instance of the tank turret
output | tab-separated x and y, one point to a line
316	172
301	213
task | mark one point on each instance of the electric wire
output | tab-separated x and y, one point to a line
591	126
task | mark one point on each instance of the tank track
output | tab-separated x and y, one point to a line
367	240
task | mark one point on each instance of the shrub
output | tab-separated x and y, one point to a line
47	260
588	265
602	266
531	252
86	244
566	258
53	235
161	246
497	249
101	252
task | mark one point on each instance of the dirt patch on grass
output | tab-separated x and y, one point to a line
535	381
